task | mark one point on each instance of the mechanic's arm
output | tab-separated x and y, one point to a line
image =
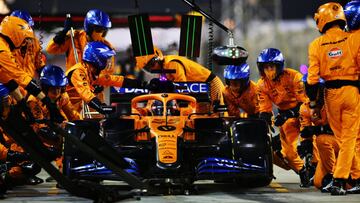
59	46
299	88
37	112
179	76
305	122
81	82
10	70
265	104
312	84
68	108
233	110
106	79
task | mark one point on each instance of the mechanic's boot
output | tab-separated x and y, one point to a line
3	187
304	177
355	189
327	183
327	188
338	187
49	179
33	180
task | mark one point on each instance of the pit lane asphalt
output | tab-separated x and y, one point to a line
285	188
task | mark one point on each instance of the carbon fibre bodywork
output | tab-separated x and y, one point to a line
176	145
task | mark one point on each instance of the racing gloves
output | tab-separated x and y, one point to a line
102	108
48	134
54	111
98	89
16	157
282	117
133	83
267	117
60	36
309	131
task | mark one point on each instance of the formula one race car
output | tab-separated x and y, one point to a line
167	143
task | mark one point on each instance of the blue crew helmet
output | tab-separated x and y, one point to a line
237	72
53	76
272	56
23	15
96	17
97	54
352	15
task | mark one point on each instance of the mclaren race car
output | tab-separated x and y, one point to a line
167	142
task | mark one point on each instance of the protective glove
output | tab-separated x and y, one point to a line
309	131
98	89
282	117
48	134
26	110
60	36
267	117
102	108
16	157
134	83
55	115
68	23
305	147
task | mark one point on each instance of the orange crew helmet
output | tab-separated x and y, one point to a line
328	13
147	61
16	29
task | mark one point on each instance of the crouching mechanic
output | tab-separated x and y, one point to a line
186	71
334	56
20	169
283	87
84	75
240	92
327	146
53	83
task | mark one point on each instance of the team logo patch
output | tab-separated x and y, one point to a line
335	53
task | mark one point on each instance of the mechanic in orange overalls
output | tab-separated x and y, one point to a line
96	25
15	33
53	82
352	14
334	56
327	146
31	57
284	88
240	92
186	71
84	75
21	170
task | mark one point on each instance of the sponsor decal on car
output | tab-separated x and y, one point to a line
182	87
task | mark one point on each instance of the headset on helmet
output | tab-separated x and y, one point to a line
147	61
352	14
97	54
23	15
329	14
271	55
16	30
96	17
237	72
53	76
